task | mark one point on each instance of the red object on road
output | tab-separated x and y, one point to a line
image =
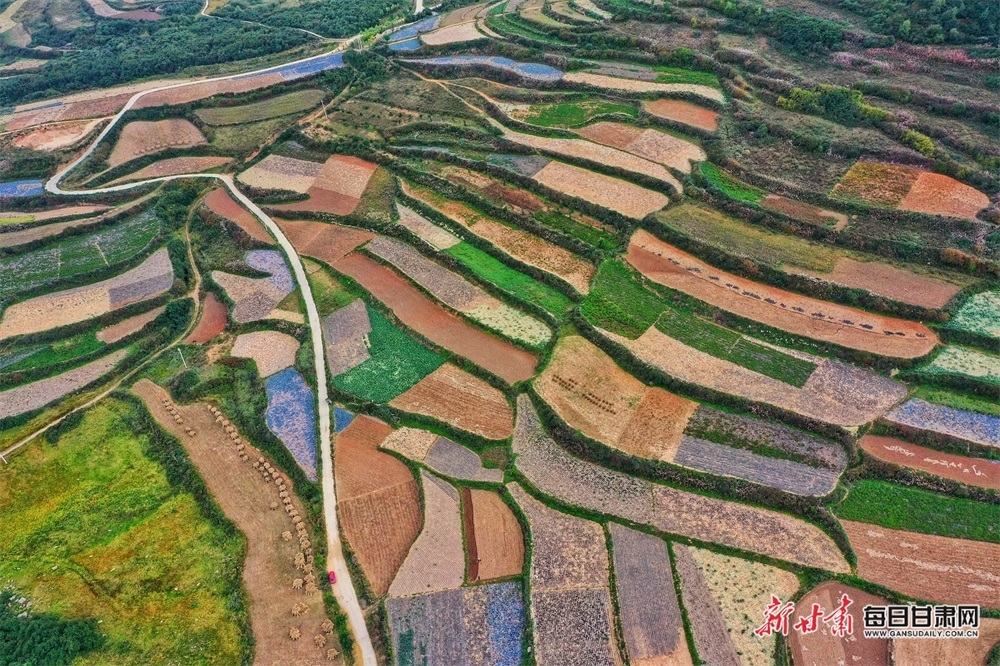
333	577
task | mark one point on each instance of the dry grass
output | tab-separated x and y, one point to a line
596	188
636	85
142	137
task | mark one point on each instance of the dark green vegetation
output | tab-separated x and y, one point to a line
732	187
42	638
574	114
949	398
619	303
902	508
599	238
333	18
58	351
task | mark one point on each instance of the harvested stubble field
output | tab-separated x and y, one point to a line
459	294
440	454
964	362
979	314
910	189
801	315
256	298
593	395
822	648
743	589
214	318
800	210
886	280
346	336
497	191
920	415
377	499
436	560
245	497
426	231
521	245
978	472
270	350
98	108
142	137
884	184
291	415
494	537
337	187
647	602
282	105
150	278
587	485
651	144
922	566
127	327
276	172
457	398
612	193
29	397
571	610
219	202
454	34
636	85
948	650
436	323
683	112
708	627
326	242
172	167
56	136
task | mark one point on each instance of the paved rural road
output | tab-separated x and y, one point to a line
343	588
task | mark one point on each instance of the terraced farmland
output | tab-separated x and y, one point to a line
283	105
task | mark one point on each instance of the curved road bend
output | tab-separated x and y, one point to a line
336	564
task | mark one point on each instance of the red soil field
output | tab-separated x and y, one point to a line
56	136
198	91
454	396
322	201
437	324
378	501
338	188
888	281
174	166
73	111
213	321
936	194
931	568
683	112
821	648
220	203
494	537
977	472
973	652
785	310
326	242
800	210
617	135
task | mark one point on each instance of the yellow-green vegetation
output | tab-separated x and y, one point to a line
17	219
329	294
283	105
377	202
105	524
966	363
730	186
949	398
574	114
246	138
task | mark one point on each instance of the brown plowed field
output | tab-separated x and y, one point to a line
245	497
888	281
322	201
614	194
326	242
965	651
660	147
932	568
805	212
143	137
338	187
785	310
683	112
972	471
72	111
454	396
220	203
496	543
198	91
821	648
127	327
378	501
174	166
55	137
437	324
937	194
213	321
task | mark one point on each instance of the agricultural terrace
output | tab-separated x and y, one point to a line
822	647
571	609
639	86
282	105
377	500
801	315
127	327
918	416
652	144
440	454
614	194
555	472
276	172
799	210
57	137
963	362
337	187
979	314
151	278
219	202
16	217
291	415
172	167
257	298
422	228
493	534
708	627
271	351
35	395
214	317
571	114
683	112
326	242
650	615
347	336
436	560
979	472
140	138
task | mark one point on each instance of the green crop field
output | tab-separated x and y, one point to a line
901	508
97	529
599	238
677	75
397	362
329	294
57	352
957	400
731	187
514	282
283	105
574	114
619	303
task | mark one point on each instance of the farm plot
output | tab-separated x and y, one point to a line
933	568
919	415
172	167
426	231
436	560
529	70
346	336
127	327
481	625
270	350
291	415
979	472
568	114
57	137
800	210
326	242
521	245
453	34
214	318
886	280
459	294
571	609
948	650
907	188
708	627
553	471
437	324
151	278
275	172
494	537
377	499
980	314
441	455
77	255
937	194
524	165
650	615
964	362
639	86
593	395
9	217
801	315
683	112
337	188
219	202
282	105
651	144
193	93
257	298
612	193
29	397
142	137
821	647
451	395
